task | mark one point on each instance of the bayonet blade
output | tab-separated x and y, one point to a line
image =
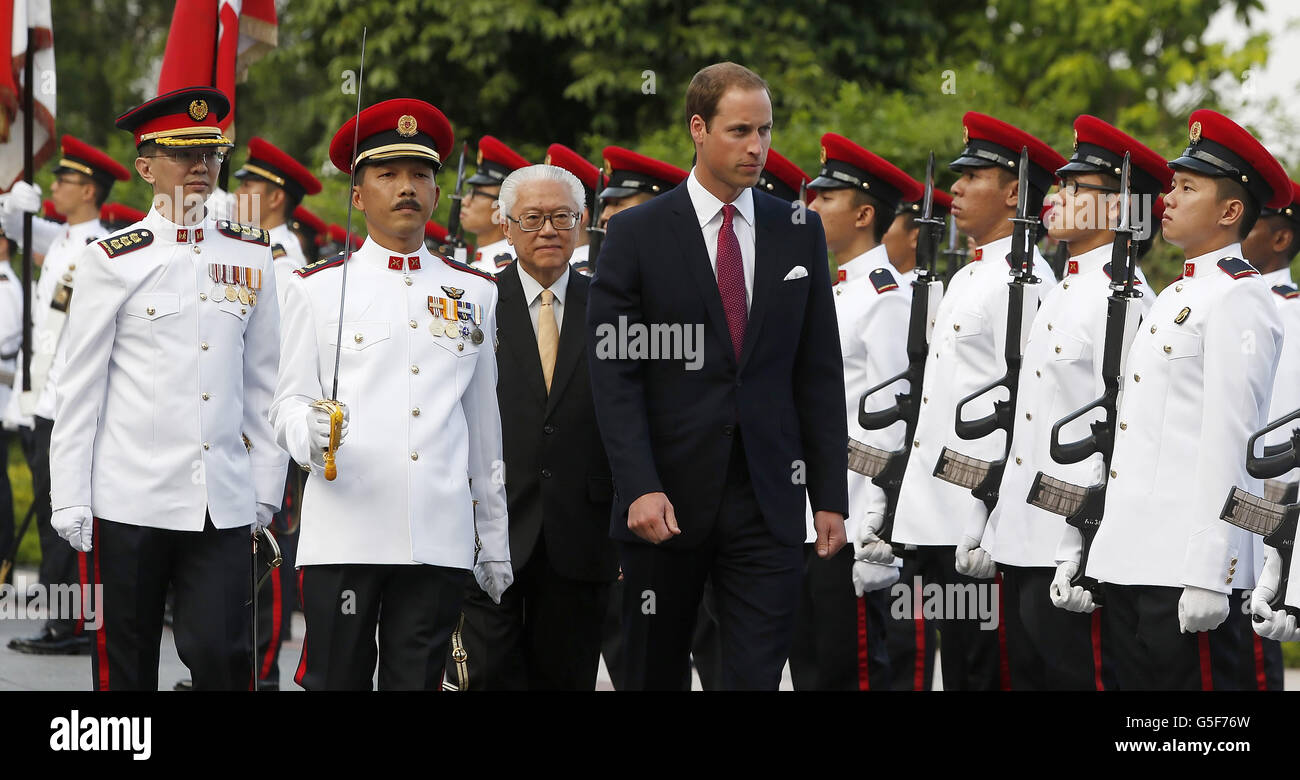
927	203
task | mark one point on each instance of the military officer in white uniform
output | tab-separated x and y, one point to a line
1050	648
840	635
83	179
967	353
1198	382
479	209
419	498
162	456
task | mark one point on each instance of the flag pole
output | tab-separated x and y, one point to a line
29	64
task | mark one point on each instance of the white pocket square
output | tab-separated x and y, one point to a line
798	272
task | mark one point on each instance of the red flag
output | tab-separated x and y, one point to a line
212	42
15	17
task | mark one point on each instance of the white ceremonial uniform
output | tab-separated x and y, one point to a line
1197	384
485	259
1060	373
424	432
967	352
580	256
872	308
167	384
287	255
11	330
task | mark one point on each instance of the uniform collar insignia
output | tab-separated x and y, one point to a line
400	263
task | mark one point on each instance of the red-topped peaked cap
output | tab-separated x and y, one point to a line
47	208
81	157
1220	147
267	161
941	204
845	165
1099	147
119	214
563	157
182	117
337	234
304	219
394	129
992	142
496	161
629	173
1291	210
435	231
781	178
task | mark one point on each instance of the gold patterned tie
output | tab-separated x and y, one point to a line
548	337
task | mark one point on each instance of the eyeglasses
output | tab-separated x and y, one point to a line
475	192
190	157
1072	187
71	181
560	220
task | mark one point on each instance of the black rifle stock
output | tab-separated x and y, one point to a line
595	233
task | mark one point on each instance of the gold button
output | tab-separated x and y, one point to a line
242	310
72	266
1178	288
206	396
415	369
415	455
1123	426
1038	373
1114	474
1232	570
460	347
412	323
1066	285
925	399
408	281
1049	326
203	296
916	443
1153	328
415	412
204	346
150	311
1058	349
1234	562
197	251
1028	416
1228	581
955	326
1168	349
1018	461
358	338
1137	378
207	446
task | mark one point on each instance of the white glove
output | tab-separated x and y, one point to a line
494	577
1200	609
868	577
263	518
318	432
973	560
27	198
76	525
1074	598
24	197
869	546
1279	624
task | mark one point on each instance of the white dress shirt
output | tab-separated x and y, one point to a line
708	210
533	295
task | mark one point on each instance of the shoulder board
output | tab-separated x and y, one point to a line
278	251
882	280
243	232
118	245
582	267
320	265
91	239
468	270
1236	267
1136	281
1287	291
504	259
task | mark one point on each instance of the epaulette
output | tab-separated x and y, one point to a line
278	251
90	240
1236	267
320	265
243	232
582	267
1106	270
468	270
882	280
118	245
503	259
1287	291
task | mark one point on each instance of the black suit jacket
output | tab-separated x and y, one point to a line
557	476
668	428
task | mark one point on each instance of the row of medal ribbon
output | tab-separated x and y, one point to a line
457	318
241	283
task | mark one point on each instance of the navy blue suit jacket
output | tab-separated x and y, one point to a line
669	428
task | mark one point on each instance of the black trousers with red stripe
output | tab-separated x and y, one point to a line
1048	649
1141	634
279	594
912	640
413	607
210	573
1261	669
839	640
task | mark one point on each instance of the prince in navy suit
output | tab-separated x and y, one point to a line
714	437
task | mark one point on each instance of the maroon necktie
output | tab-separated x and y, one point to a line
731	280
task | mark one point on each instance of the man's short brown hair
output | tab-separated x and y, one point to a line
711	83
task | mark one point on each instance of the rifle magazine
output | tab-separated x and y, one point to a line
961	470
1255	514
1275	490
1056	495
867	460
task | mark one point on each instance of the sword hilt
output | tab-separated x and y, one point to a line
335	410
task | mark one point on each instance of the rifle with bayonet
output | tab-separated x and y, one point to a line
595	233
1273	517
984	478
955	254
1082	506
886	469
455	235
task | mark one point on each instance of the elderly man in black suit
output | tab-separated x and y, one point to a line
713	443
545	634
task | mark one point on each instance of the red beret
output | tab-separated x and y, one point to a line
182	117
268	162
992	142
393	129
1222	148
81	157
496	161
310	221
119	214
781	178
47	206
847	165
564	157
337	233
630	173
1099	148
